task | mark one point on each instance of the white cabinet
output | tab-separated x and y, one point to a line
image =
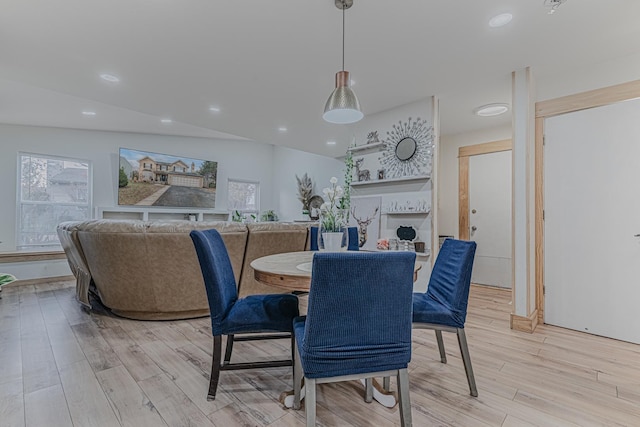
150	214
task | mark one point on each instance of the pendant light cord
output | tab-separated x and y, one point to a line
343	13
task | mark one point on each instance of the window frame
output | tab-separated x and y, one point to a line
244	181
20	203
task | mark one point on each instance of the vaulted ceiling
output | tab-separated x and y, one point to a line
268	64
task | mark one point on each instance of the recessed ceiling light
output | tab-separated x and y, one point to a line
88	113
282	129
331	143
500	20
491	110
109	78
214	109
166	121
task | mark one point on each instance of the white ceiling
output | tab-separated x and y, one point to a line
271	63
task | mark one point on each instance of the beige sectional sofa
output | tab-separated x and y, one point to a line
149	270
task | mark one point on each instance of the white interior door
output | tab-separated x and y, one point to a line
490	217
592	214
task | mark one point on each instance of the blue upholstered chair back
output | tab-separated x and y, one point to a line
359	313
217	274
451	276
353	245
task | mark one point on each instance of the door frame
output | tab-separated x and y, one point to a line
463	178
551	108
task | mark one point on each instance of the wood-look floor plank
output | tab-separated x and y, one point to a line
96	349
47	407
12	404
130	404
65	346
82	391
39	368
10	356
174	406
191	380
156	373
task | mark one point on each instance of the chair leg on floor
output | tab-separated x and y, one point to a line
368	390
310	401
443	354
403	396
386	383
466	359
297	376
229	349
215	367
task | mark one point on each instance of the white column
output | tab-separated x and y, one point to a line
523	113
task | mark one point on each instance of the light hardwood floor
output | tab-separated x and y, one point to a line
60	366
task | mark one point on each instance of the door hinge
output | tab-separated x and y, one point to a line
544	140
543	214
544	290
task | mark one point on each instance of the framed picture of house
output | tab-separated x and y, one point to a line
365	214
153	179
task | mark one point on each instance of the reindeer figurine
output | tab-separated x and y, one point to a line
362	225
363	175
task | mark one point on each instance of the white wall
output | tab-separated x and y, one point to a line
448	173
287	163
274	167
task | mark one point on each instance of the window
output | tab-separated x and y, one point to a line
244	196
51	190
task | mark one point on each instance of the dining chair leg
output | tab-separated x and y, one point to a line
310	401
443	354
297	376
386	383
466	359
403	396
228	350
215	367
368	390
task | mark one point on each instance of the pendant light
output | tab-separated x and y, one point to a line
343	106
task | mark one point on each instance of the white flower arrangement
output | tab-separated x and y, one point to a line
332	216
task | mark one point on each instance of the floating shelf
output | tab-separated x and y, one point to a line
391	180
408	213
366	147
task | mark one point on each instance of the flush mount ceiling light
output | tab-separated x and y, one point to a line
214	109
166	121
491	110
89	113
500	20
109	78
331	143
343	106
282	129
553	5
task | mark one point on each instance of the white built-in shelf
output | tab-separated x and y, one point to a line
392	180
407	213
366	147
152	212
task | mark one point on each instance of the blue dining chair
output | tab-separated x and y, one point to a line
353	239
231	315
358	324
444	306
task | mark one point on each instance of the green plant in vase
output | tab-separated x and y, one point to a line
333	222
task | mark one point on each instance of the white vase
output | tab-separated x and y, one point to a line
333	241
336	238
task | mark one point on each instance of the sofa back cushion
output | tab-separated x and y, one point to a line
268	239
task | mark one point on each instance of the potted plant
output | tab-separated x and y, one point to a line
269	215
5	279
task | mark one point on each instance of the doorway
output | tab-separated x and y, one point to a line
485	179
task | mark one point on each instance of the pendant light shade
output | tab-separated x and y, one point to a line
343	106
